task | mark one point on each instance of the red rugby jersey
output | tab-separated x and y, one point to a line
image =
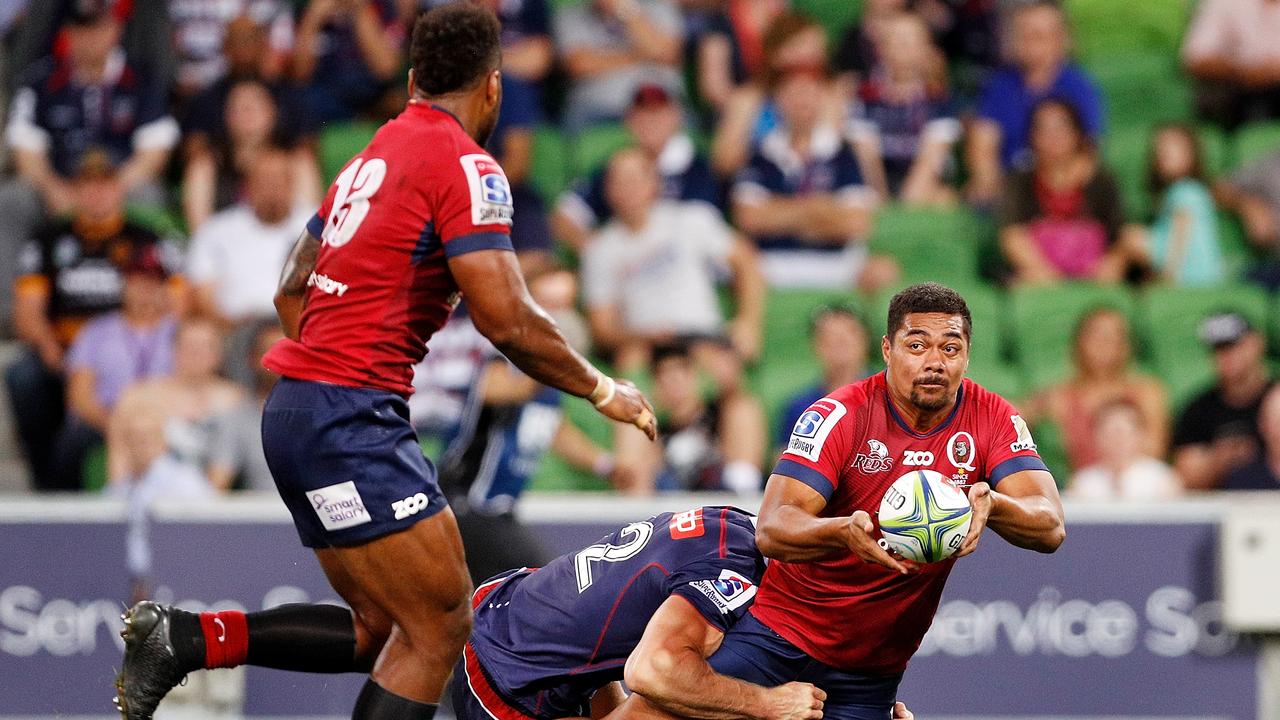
850	446
422	191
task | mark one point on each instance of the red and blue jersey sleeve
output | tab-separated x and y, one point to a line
721	588
474	206
315	226
1011	448
818	449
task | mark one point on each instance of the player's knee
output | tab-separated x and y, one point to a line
372	631
447	627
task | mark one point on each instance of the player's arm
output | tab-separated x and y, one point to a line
789	528
1026	511
669	669
291	294
503	312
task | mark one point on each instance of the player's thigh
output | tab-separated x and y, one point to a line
372	623
414	576
853	696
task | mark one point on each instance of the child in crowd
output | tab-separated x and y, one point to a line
1184	236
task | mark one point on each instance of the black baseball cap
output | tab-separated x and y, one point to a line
1224	329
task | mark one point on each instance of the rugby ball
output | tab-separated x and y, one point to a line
923	517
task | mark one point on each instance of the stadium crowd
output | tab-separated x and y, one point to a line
716	197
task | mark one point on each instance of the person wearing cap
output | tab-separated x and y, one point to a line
609	47
1218	430
69	274
111	353
802	199
655	123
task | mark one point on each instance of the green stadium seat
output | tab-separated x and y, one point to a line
550	167
1043	320
1125	151
835	16
1214	150
939	245
1236	252
1170	321
1255	141
1104	27
339	142
593	147
1053	450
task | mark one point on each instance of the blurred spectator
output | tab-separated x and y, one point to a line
1218	431
68	275
725	45
649	276
859	52
969	33
609	48
1230	48
235	446
216	170
1102	351
1253	192
1000	137
192	399
803	201
1184	237
703	443
1124	469
655	124
839	342
791	41
235	257
207	48
44	29
904	125
1263	473
91	97
347	53
111	353
1062	218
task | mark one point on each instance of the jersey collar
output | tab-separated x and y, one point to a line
893	412
432	106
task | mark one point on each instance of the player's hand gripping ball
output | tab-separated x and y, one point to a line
923	517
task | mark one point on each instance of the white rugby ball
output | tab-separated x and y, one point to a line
923	517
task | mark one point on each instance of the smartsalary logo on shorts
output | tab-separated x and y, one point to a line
728	592
812	428
339	506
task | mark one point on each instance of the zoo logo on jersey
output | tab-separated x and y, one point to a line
875	460
812	428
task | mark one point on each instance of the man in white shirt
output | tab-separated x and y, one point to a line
235	257
649	275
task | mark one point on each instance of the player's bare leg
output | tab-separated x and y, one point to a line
417	578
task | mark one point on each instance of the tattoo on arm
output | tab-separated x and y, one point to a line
298	268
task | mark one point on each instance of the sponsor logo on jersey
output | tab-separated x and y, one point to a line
1024	441
917	458
812	428
490	192
875	460
339	506
327	285
411	505
728	592
687	524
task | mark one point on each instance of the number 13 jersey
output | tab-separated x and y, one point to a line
421	192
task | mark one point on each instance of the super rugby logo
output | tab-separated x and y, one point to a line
875	460
728	592
812	428
490	192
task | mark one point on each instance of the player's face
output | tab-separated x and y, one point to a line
927	358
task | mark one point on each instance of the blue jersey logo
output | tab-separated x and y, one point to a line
808	424
496	190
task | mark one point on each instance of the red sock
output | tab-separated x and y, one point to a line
226	638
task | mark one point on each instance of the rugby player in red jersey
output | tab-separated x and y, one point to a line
834	608
417	218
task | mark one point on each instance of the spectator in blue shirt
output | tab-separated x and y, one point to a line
347	55
802	199
999	139
840	345
656	125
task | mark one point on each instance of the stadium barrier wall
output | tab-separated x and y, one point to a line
1124	620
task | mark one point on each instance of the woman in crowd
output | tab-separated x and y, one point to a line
1184	237
1062	218
1104	373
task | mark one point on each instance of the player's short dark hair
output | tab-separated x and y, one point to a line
927	297
454	47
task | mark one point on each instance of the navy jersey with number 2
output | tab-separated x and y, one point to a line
545	640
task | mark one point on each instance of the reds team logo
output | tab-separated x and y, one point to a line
875	460
961	453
